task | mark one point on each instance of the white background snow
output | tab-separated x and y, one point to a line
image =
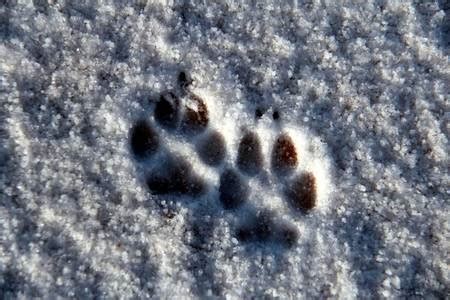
368	79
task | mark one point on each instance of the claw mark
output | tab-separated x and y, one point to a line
144	140
276	115
259	113
303	192
184	80
250	158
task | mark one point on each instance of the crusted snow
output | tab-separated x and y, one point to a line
362	87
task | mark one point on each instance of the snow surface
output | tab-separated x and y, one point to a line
362	86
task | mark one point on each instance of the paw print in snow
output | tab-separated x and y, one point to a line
186	148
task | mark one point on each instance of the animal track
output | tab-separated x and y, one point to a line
144	140
284	154
212	149
185	117
250	158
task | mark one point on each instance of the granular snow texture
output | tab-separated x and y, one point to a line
355	92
